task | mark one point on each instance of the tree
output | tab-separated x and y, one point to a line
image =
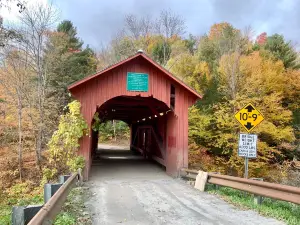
6	33
14	81
190	43
264	86
261	39
138	27
283	51
169	25
66	62
67	27
36	22
161	52
183	66
18	3
64	143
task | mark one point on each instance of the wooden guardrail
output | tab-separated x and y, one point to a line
51	209
261	188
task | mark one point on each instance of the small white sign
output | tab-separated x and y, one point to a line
247	145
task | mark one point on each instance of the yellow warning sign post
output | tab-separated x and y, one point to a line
249	117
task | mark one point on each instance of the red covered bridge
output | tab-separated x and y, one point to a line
152	101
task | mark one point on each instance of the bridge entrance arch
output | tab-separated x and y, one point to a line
152	101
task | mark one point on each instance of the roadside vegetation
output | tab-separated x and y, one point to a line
21	194
40	124
74	211
285	211
113	132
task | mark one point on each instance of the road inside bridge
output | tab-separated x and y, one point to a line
125	189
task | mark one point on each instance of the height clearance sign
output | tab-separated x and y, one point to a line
249	117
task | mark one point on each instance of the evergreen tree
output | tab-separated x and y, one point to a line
67	61
282	50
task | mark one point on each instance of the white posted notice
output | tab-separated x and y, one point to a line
247	145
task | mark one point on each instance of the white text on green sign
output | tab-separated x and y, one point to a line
137	82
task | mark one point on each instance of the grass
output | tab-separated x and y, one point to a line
6	206
5	215
74	210
285	211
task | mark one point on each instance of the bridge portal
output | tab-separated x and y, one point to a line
152	101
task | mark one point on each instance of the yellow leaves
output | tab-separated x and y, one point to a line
201	77
197	117
182	66
250	75
63	144
152	42
274	111
292	88
202	68
260	75
178	47
216	30
270	133
190	70
229	71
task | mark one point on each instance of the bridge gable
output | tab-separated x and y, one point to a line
95	90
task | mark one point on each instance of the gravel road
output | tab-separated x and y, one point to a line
127	190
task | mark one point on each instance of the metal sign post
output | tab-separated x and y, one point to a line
247	148
249	117
246	167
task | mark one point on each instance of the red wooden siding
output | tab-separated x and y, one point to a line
94	91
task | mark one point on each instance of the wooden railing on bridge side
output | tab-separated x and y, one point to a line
261	188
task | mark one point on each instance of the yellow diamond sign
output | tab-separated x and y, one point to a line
249	117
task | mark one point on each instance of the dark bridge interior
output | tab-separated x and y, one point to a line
147	119
131	109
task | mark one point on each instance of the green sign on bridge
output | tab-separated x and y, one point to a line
137	82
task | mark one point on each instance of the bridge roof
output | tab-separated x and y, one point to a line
137	55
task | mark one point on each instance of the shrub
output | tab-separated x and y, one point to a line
64	143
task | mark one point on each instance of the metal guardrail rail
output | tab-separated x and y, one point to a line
261	188
49	211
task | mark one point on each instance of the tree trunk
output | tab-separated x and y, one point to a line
20	144
164	52
114	125
40	103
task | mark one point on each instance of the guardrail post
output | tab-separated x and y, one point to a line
49	191
216	187
258	199
80	177
21	215
63	178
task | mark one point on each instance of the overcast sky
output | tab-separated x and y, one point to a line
97	21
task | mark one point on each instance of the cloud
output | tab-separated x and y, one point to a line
281	16
97	21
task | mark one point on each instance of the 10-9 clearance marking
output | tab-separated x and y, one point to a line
249	117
